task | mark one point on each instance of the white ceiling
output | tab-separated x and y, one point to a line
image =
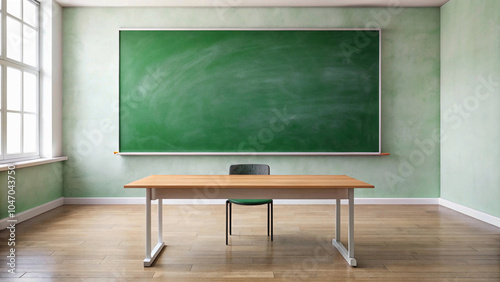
251	3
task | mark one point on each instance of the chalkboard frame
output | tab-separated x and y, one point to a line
379	153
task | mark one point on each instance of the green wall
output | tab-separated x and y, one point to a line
470	103
410	99
35	186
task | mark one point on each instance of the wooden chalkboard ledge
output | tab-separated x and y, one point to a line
246	154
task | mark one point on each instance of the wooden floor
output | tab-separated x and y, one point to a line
393	243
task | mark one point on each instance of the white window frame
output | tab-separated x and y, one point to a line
19	65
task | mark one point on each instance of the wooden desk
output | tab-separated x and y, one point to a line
337	187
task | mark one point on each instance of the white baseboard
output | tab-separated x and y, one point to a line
25	215
493	220
357	201
104	201
364	201
394	201
138	201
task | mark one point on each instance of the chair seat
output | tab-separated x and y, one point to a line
250	202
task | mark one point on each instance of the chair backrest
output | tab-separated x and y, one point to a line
249	169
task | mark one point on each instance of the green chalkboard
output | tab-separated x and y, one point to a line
245	91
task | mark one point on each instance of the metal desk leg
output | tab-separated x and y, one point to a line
350	241
151	256
160	220
347	254
337	220
148	227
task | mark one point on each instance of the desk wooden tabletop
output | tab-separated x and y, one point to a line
248	181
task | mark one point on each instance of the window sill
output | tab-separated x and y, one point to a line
35	162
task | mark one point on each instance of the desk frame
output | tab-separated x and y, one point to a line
236	190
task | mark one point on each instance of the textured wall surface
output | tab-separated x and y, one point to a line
410	99
35	186
470	103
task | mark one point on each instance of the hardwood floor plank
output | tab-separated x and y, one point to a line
88	274
493	268
393	243
232	275
6	275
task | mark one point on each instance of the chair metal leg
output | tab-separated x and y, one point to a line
229	209
271	220
227	203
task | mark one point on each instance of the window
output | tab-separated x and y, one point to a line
19	83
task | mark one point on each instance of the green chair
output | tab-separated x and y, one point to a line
249	169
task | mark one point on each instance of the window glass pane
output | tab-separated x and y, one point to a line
14	8
29	90
1	133
13	39
1	68
13	89
13	133
30	12
0	111
1	35
30	37
29	136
